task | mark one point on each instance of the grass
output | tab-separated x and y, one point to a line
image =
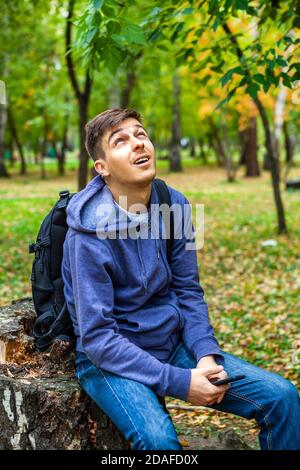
253	291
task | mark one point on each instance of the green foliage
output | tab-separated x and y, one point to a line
107	36
259	59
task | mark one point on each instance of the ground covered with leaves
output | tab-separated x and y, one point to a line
250	274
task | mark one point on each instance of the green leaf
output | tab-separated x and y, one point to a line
113	59
288	40
188	11
272	64
134	34
242	4
259	78
286	80
215	24
177	31
227	99
90	36
252	90
98	4
267	84
228	75
118	40
296	22
281	61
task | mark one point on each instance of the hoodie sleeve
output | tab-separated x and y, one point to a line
91	268
198	333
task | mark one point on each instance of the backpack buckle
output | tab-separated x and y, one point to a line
33	247
64	193
64	197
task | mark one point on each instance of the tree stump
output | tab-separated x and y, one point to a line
41	403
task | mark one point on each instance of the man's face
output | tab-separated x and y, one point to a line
129	154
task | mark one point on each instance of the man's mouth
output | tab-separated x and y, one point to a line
141	160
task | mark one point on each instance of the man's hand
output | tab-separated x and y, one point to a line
202	391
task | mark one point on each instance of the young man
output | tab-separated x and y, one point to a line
140	319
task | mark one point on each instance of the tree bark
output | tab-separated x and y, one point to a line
3	171
289	145
192	147
82	98
42	405
126	92
15	138
249	149
175	150
61	155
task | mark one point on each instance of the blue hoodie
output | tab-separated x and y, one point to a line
129	306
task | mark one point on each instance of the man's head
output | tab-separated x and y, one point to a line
116	140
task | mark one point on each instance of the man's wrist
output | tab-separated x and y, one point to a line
206	360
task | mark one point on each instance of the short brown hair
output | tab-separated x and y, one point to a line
100	124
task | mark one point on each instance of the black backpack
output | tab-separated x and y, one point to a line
53	320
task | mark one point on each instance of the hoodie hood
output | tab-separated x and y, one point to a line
93	210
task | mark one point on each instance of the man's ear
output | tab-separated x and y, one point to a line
100	167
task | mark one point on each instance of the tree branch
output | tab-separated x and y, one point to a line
69	59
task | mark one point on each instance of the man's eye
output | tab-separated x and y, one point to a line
141	134
118	141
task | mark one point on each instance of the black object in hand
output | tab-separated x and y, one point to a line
228	380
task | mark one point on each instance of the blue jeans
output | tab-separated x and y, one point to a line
142	417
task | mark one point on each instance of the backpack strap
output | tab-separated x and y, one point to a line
165	198
58	330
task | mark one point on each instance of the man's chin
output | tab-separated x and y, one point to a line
146	178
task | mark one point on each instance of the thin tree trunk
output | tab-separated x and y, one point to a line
289	147
10	147
61	155
250	149
282	228
269	142
15	137
214	147
43	148
126	92
82	100
192	147
175	154
202	152
3	170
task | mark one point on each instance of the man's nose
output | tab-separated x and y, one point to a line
137	143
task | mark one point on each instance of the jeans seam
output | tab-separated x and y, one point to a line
262	408
124	409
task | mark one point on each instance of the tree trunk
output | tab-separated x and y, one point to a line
202	151
43	149
61	155
3	170
126	92
249	149
42	405
175	154
289	146
15	137
83	155
82	98
10	147
192	147
272	157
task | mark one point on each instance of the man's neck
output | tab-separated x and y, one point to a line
126	196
